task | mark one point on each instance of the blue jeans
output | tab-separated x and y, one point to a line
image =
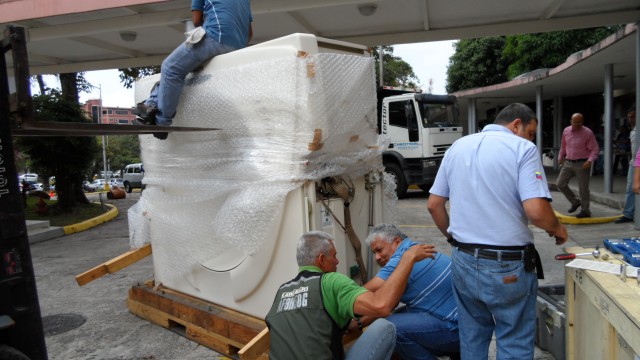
495	296
630	197
175	68
376	343
419	335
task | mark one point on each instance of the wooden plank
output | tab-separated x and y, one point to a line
90	275
148	313
219	328
114	265
255	348
210	340
221	320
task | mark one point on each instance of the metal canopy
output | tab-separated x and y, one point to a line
92	35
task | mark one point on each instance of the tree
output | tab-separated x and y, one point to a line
396	72
66	158
129	75
528	52
123	150
489	61
476	63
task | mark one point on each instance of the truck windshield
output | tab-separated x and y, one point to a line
438	115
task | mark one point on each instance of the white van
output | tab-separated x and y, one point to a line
132	175
28	177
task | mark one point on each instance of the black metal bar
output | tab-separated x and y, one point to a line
18	293
46	128
18	40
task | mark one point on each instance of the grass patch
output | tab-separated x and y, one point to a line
57	217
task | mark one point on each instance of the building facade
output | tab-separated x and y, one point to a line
110	115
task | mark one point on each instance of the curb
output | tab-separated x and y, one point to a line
595	197
70	229
572	220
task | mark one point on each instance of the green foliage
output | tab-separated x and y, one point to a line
475	63
489	61
528	52
61	217
123	150
396	72
129	75
66	158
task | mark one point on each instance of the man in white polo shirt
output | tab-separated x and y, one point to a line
496	185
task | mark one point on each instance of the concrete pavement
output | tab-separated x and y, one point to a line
111	332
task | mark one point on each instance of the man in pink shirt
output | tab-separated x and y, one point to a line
578	151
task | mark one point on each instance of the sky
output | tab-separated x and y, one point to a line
428	60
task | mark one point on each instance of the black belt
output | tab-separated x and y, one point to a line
578	160
508	255
528	253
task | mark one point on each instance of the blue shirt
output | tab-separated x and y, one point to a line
486	177
429	287
226	21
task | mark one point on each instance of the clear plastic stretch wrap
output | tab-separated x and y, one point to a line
282	122
389	209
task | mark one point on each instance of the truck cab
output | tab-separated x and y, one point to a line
419	128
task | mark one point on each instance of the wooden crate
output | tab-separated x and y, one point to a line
603	314
216	327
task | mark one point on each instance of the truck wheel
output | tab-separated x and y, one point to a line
127	187
10	353
398	175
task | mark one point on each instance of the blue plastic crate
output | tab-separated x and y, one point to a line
629	248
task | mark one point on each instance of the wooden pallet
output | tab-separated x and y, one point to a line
216	327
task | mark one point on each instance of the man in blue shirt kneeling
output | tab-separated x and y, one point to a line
427	324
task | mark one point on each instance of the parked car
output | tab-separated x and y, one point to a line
88	187
132	175
116	182
28	177
98	184
31	185
35	186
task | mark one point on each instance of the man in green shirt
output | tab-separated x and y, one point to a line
310	313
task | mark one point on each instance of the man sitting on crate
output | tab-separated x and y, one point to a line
311	312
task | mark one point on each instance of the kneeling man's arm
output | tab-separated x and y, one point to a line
380	303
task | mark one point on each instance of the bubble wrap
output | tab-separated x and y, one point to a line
389	209
283	121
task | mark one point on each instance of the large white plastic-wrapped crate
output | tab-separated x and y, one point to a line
224	209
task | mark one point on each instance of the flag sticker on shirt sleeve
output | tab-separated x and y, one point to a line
538	175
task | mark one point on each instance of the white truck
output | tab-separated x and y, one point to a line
419	128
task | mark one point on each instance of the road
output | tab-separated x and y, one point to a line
111	332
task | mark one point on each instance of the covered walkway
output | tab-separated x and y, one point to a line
600	81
